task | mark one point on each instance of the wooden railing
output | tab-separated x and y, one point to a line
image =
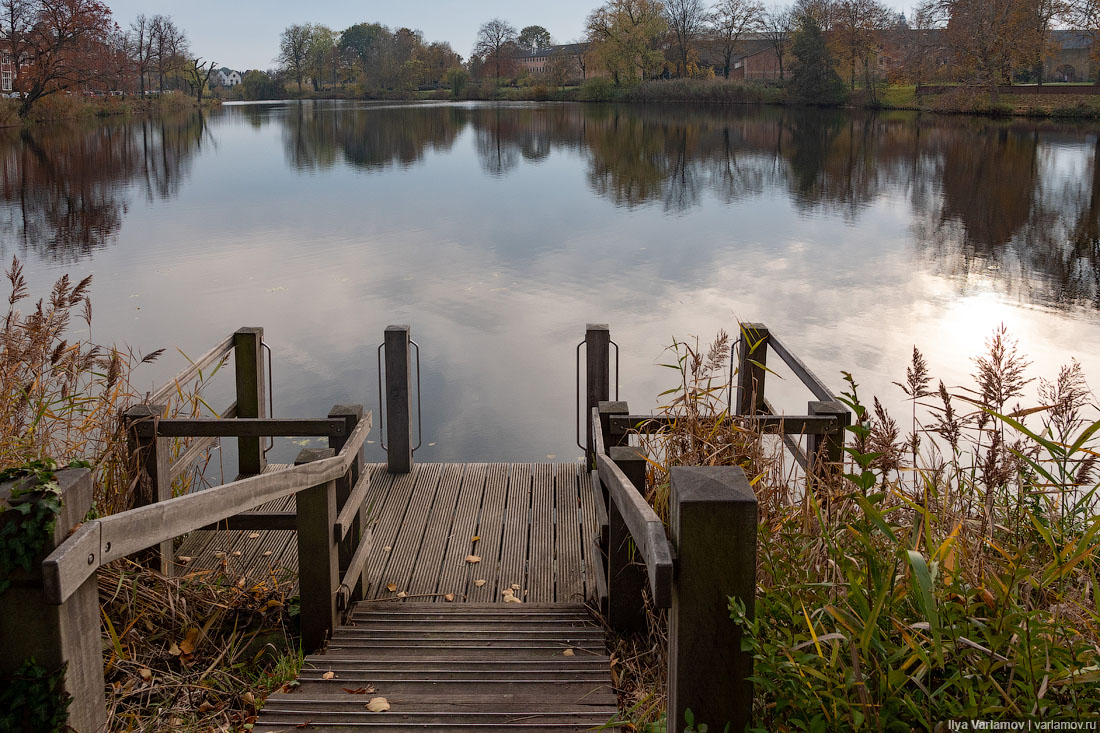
329	486
707	554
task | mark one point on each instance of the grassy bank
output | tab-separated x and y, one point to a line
66	107
948	572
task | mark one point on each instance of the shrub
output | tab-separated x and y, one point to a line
597	89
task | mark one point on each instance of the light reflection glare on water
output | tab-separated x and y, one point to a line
497	232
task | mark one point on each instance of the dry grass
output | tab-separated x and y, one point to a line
950	571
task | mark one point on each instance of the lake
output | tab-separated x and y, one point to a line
498	231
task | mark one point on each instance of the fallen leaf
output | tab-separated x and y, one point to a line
328	675
267	554
387	548
568	653
248	698
479	582
174	650
391	587
205	707
187	646
236	553
402	594
515	586
183	559
512	599
253	535
359	690
219	554
378	705
448	596
473	559
475	538
145	674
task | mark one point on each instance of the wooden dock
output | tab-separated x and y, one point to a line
532	527
435	596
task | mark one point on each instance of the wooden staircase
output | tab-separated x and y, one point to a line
454	667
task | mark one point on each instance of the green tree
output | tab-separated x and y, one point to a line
532	37
321	55
456	78
259	85
294	50
813	78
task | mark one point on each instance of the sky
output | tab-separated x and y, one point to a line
246	36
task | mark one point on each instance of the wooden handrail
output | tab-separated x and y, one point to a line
128	532
192	370
207	427
646	528
197	448
807	377
785	424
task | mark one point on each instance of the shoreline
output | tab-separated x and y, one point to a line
57	108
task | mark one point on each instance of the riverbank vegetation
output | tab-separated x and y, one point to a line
949	570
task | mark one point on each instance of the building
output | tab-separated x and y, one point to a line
539	61
1070	57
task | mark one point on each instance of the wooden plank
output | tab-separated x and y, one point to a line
251	392
516	528
318	696
216	427
808	378
398	401
597	337
406	547
384	518
490	528
428	564
456	573
569	580
402	532
219	352
646	529
358	560
592	532
256	521
540	558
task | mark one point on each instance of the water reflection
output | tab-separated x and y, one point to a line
65	190
1011	205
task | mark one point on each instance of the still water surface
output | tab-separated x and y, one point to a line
497	232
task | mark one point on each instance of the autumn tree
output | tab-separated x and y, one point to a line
438	57
778	24
496	41
987	38
686	19
856	38
624	35
294	50
729	21
1084	15
533	37
57	45
813	77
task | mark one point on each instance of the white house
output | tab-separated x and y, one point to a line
232	79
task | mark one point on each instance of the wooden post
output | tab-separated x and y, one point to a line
154	480
713	527
626	575
607	409
58	636
318	560
752	360
597	381
352	414
398	402
830	447
251	391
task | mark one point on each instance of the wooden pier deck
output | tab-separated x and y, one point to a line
532	526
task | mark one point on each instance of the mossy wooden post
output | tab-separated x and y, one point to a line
318	558
597	337
154	481
58	636
830	446
351	414
626	571
752	361
713	526
249	366
398	401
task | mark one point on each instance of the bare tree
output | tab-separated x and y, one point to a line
169	48
579	50
493	40
778	24
198	76
294	50
141	48
730	20
686	19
